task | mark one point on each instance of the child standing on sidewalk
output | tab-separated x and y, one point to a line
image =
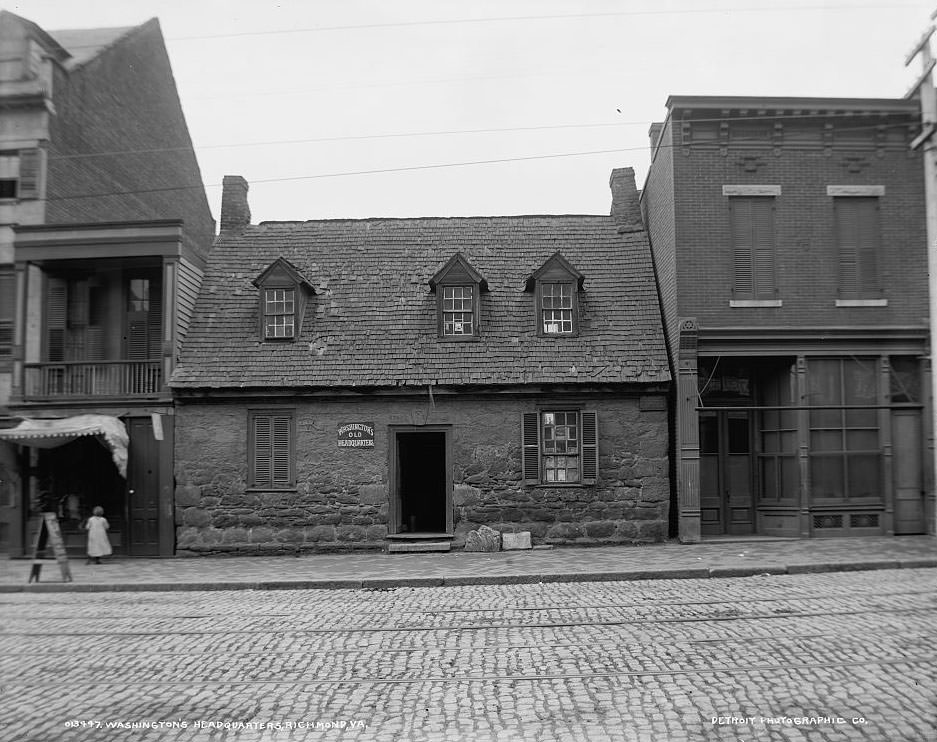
98	543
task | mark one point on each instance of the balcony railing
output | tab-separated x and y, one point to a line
97	379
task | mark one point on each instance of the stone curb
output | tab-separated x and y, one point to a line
385	583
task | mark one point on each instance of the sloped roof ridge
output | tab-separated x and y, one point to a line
121	34
479	217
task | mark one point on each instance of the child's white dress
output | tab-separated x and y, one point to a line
98	543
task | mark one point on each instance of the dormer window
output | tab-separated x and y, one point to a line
284	293
279	313
458	288
556	286
458	311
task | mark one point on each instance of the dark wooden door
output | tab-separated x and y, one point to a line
143	488
909	490
726	502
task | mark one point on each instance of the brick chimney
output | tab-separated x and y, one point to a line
654	134
626	210
235	211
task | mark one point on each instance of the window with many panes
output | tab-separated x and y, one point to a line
270	446
279	313
845	454
556	308
458	311
560	447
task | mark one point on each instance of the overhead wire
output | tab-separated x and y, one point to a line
429	166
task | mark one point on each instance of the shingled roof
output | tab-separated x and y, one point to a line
372	322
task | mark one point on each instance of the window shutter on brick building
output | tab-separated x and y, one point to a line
859	241
752	225
530	446
590	447
30	164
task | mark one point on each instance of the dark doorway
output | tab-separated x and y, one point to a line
73	480
726	503
421	482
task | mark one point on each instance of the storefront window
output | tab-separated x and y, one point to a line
845	458
777	458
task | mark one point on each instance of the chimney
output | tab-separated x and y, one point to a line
235	212
626	211
654	134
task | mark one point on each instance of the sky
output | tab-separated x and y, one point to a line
368	108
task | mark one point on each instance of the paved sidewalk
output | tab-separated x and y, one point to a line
568	564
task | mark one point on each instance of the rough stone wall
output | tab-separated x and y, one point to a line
341	499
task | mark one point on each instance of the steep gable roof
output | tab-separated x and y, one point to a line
373	322
86	43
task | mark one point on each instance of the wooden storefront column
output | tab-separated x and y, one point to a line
884	427
687	419
930	510
803	448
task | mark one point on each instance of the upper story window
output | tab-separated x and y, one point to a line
7	314
858	244
556	286
283	296
19	174
458	288
279	313
751	217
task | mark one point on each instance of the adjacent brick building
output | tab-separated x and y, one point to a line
104	230
789	244
349	383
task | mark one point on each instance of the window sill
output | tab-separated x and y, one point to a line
291	488
458	338
754	303
862	302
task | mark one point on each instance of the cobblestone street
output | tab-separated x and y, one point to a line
826	657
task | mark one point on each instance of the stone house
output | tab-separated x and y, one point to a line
395	383
789	242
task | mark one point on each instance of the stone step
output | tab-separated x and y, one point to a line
403	547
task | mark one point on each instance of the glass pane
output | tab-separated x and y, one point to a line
769	477
859	381
862	440
826	440
826	418
823	382
770	442
790	478
864	476
708	434
738	435
138	295
826	476
905	379
770	420
861	418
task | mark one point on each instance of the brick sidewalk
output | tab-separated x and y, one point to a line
375	569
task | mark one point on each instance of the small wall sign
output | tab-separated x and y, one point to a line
356	435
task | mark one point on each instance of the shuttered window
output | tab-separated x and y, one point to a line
271	449
858	241
7	315
19	174
559	447
753	247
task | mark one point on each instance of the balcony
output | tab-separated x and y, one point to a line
44	381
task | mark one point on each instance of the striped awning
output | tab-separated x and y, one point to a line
53	433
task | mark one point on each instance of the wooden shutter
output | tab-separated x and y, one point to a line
56	313
7	312
30	165
154	321
858	238
590	447
280	446
272	450
262	454
763	247
530	446
137	340
740	211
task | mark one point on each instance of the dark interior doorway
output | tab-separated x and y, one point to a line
421	482
74	479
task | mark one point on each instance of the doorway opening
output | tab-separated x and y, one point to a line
421	482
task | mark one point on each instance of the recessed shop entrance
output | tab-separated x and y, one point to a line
422	500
